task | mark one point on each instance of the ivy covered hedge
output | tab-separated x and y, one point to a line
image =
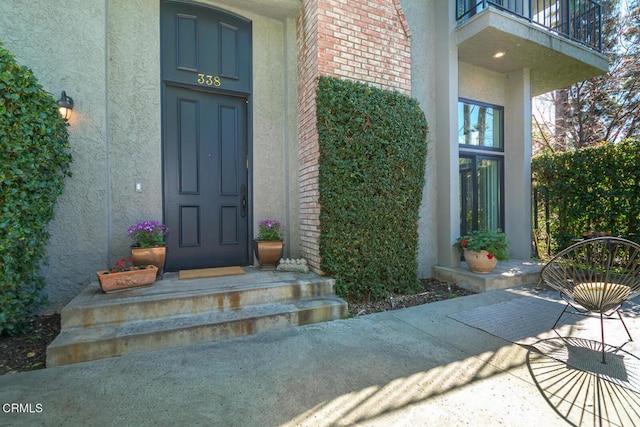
592	189
373	150
34	162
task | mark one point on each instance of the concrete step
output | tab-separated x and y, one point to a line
78	344
507	274
174	313
165	298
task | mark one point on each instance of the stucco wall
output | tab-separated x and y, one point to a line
445	132
64	44
513	92
106	55
518	150
134	118
480	84
421	20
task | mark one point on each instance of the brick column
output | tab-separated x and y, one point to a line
362	40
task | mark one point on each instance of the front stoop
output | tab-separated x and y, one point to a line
507	274
174	313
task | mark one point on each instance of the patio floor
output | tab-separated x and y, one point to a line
415	366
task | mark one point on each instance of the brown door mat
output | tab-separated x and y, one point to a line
210	272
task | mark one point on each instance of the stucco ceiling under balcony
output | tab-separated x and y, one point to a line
555	62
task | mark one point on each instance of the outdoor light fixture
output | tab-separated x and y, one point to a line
65	105
499	54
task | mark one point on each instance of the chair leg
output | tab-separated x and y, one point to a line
602	334
624	324
558	319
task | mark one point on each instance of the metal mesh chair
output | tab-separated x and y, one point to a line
596	276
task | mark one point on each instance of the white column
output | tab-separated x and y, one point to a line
518	222
445	128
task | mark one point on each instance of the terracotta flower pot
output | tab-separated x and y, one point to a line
150	256
128	279
480	262
268	253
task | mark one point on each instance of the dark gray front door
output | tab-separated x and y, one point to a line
206	84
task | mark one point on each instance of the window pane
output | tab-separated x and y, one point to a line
480	192
489	194
467	191
479	125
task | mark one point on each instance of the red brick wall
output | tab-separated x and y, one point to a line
362	40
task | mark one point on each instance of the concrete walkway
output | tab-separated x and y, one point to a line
409	367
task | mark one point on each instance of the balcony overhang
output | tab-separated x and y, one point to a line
555	62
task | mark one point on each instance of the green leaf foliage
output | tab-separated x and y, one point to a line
493	241
373	151
34	161
594	189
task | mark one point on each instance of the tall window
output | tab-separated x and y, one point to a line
481	165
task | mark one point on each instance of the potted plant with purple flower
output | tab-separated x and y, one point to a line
268	246
149	246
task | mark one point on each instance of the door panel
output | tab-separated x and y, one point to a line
206	47
206	74
204	155
186	43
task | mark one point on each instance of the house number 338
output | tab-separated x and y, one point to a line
208	80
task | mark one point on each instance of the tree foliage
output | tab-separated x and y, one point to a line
607	107
372	161
34	162
594	189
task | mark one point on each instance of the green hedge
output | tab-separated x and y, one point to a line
373	150
33	165
592	189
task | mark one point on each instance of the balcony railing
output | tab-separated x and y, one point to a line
578	20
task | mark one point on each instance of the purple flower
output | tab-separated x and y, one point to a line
148	233
270	229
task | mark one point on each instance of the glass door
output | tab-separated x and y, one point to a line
481	165
481	192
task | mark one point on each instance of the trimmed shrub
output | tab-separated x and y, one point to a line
591	189
373	151
34	162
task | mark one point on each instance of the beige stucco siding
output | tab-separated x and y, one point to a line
421	20
64	44
134	117
106	55
480	84
513	92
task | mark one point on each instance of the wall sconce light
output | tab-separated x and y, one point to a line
65	105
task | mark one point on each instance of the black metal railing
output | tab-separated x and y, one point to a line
578	20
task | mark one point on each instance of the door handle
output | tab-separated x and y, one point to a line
243	202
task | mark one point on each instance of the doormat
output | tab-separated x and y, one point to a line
210	272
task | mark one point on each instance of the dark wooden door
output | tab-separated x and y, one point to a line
206	84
